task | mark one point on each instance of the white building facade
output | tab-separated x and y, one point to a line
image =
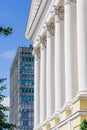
58	29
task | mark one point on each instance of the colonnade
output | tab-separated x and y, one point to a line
61	49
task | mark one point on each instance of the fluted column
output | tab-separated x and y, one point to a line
58	60
50	72
82	44
42	81
36	89
68	51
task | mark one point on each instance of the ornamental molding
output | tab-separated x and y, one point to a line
42	17
42	12
50	27
60	12
43	42
36	52
69	1
33	11
36	9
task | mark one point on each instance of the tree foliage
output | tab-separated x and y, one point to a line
83	125
3	118
5	31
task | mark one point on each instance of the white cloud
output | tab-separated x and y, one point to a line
6	101
8	54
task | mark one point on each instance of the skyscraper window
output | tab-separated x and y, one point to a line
22	89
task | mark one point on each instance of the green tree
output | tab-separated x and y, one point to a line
83	125
5	31
3	118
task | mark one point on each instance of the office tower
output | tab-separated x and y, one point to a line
22	89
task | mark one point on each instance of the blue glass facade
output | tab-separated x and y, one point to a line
26	59
26	82
25	89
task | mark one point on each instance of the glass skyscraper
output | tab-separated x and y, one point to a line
22	89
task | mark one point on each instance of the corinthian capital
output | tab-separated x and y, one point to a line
60	12
50	28
43	42
43	39
36	53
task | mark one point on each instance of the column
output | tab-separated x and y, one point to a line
50	72
82	44
58	62
69	125
36	89
42	81
68	51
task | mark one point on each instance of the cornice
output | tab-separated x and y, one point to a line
43	16
40	13
36	9
46	16
33	11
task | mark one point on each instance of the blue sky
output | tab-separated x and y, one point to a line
13	13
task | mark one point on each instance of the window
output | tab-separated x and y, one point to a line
26	74
26	122
32	114
25	66
27	59
24	114
26	98
26	90
27	82
26	106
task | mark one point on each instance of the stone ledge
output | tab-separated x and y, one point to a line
80	104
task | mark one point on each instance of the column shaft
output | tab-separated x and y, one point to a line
82	44
42	84
49	75
68	51
58	80
36	92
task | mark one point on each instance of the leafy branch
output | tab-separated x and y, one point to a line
83	125
5	31
3	118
